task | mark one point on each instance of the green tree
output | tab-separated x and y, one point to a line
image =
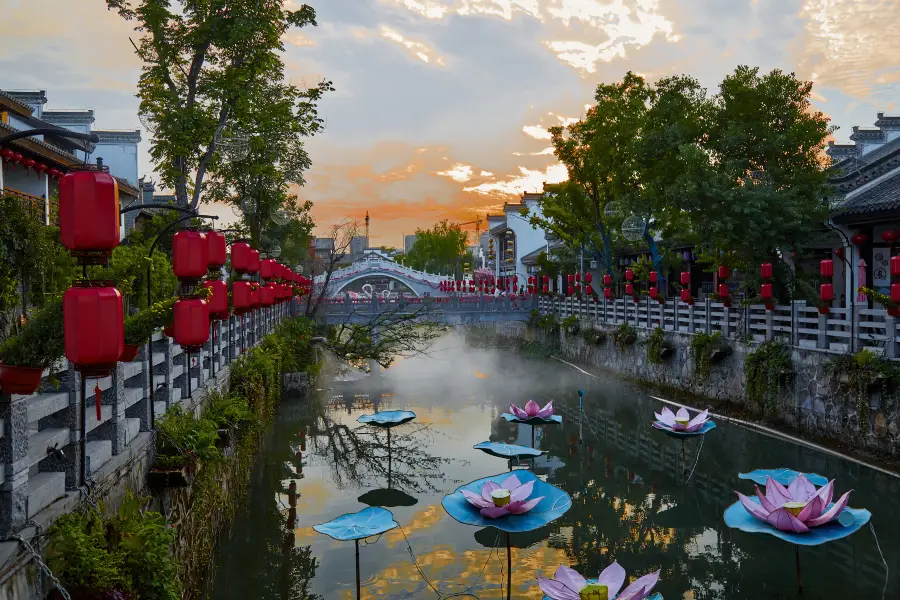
441	248
206	65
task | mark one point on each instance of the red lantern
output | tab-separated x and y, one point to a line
41	167
55	173
629	289
859	239
607	293
240	256
571	279
546	289
267	268
241	296
765	293
839	252
571	290
578	277
724	272
765	270
89	214
890	236
686	296
218	301
29	163
215	249
685	278
93	320
6	154
654	277
607	279
895	293
255	296
724	292
18	158
267	296
826	269
253	262
589	290
629	275
654	292
191	323
546	280
190	255
588	278
895	266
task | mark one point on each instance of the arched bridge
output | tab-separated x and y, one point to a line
419	282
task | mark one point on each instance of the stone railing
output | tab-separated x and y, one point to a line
40	435
798	325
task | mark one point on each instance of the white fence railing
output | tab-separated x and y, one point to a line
842	330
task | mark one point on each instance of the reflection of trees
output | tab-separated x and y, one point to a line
260	558
359	456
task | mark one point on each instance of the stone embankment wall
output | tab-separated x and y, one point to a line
810	400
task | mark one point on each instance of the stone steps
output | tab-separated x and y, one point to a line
44	489
98	453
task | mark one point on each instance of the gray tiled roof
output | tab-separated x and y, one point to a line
884	196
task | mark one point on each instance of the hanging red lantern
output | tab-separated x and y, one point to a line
253	262
724	272
218	300
629	275
6	154
241	296
29	163
190	255
571	290
267	296
895	293
685	278
826	269
765	294
255	296
215	249
839	252
267	268
191	323
546	289
859	239
765	270
895	266
89	214
546	280
18	158
607	293
589	290
629	289
588	278
890	236
686	296
654	277
55	173
578	277
571	279
724	292
653	292
41	168
93	321
578	288
240	256
607	279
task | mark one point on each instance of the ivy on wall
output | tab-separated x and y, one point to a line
707	349
624	336
655	346
767	369
861	373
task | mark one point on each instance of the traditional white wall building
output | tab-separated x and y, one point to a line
515	237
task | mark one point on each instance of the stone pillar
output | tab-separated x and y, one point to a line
890	344
114	429
143	412
13	461
708	304
691	319
822	333
162	372
770	326
726	326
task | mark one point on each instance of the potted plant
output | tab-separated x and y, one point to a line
30	350
139	328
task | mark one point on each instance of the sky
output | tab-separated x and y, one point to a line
441	106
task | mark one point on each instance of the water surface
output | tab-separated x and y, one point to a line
631	502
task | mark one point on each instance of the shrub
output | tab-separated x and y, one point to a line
655	344
39	342
181	434
767	369
707	348
858	373
624	336
140	328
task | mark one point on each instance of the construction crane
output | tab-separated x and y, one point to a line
477	223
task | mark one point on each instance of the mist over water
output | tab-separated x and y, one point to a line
630	499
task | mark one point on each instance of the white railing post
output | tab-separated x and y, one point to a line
822	332
890	332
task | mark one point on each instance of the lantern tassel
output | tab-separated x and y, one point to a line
97	395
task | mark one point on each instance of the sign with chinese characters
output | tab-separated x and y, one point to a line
881	274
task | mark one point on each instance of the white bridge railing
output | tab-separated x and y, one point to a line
842	330
374	267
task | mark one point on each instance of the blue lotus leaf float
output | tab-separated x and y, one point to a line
356	526
545	503
551	420
849	522
388	418
501	450
783	476
568	584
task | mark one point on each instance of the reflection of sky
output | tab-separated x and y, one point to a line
629	503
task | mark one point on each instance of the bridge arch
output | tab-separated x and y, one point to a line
344	282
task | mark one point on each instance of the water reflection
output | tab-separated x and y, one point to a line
630	499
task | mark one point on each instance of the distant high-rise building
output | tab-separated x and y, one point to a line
408	242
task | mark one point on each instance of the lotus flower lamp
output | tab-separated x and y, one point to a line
511	503
680	425
533	414
797	512
508	451
568	584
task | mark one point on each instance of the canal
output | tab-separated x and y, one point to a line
630	498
